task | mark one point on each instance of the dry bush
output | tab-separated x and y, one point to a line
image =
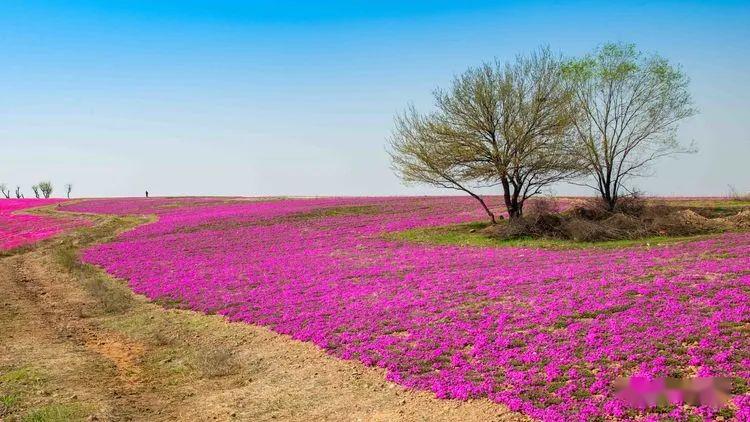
623	222
590	221
551	225
592	209
582	230
542	206
633	204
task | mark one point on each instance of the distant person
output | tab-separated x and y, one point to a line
146	194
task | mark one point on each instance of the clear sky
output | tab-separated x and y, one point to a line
279	97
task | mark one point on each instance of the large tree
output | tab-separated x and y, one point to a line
504	125
629	105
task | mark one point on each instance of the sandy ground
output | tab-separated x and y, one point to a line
76	344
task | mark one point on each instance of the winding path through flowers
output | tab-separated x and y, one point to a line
545	332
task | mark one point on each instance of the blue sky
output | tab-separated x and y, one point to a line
280	97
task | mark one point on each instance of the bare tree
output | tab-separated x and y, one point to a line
505	125
19	195
4	190
629	106
46	188
35	188
68	189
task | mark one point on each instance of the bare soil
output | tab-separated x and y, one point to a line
77	344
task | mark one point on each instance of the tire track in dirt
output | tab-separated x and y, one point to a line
48	325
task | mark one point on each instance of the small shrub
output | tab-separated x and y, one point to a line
633	204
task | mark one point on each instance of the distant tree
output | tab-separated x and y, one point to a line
4	190
629	105
499	124
45	188
19	195
35	188
68	189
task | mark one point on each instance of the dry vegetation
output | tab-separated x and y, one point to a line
634	218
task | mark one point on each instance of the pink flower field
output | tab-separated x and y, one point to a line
545	332
18	229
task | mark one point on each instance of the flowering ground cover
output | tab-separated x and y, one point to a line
546	332
18	229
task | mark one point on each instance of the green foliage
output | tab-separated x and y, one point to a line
46	188
335	212
8	401
499	124
20	376
628	107
55	413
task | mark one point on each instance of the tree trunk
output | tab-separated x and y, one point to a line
511	200
605	189
609	200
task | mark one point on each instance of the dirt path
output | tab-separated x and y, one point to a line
77	344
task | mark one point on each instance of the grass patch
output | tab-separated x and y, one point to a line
710	203
469	234
111	296
8	402
20	376
335	212
14	385
55	413
181	343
